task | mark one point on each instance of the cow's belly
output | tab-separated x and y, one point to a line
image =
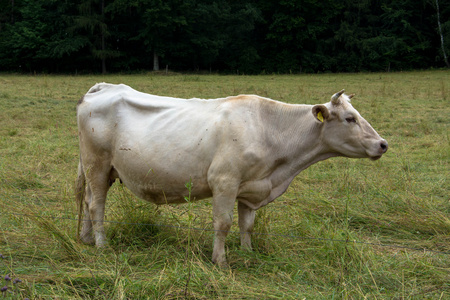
165	192
163	183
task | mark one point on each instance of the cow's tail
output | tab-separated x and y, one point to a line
80	193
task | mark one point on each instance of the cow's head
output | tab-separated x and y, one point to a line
345	132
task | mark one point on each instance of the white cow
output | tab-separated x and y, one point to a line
245	148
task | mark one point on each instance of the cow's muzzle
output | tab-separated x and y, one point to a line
381	150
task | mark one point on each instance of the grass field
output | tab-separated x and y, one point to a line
321	239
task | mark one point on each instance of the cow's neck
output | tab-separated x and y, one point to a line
295	137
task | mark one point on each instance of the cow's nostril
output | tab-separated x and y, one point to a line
384	146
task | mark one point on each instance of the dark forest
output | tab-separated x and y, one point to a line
244	37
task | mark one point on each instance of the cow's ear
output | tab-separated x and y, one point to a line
320	112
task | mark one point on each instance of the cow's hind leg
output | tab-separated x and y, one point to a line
246	222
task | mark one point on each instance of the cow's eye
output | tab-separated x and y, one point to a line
350	120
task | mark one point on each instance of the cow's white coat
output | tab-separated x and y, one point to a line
245	148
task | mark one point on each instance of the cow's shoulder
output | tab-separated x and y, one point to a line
262	105
241	102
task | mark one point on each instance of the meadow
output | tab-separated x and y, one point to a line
345	229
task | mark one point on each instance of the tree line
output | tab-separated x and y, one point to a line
246	36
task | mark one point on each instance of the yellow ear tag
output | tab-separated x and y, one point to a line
319	116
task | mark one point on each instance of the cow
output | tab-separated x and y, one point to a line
242	148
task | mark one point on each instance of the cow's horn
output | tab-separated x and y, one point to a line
335	97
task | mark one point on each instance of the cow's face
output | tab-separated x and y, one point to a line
346	132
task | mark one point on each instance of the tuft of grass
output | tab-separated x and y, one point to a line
344	229
132	220
65	242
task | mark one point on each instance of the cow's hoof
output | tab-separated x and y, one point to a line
221	263
87	240
101	243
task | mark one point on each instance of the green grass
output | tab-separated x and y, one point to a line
401	199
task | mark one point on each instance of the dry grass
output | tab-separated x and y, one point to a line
402	199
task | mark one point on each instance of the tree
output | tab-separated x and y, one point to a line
7	12
297	34
240	51
92	21
158	23
441	34
22	38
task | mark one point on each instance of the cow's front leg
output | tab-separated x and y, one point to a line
223	205
246	222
